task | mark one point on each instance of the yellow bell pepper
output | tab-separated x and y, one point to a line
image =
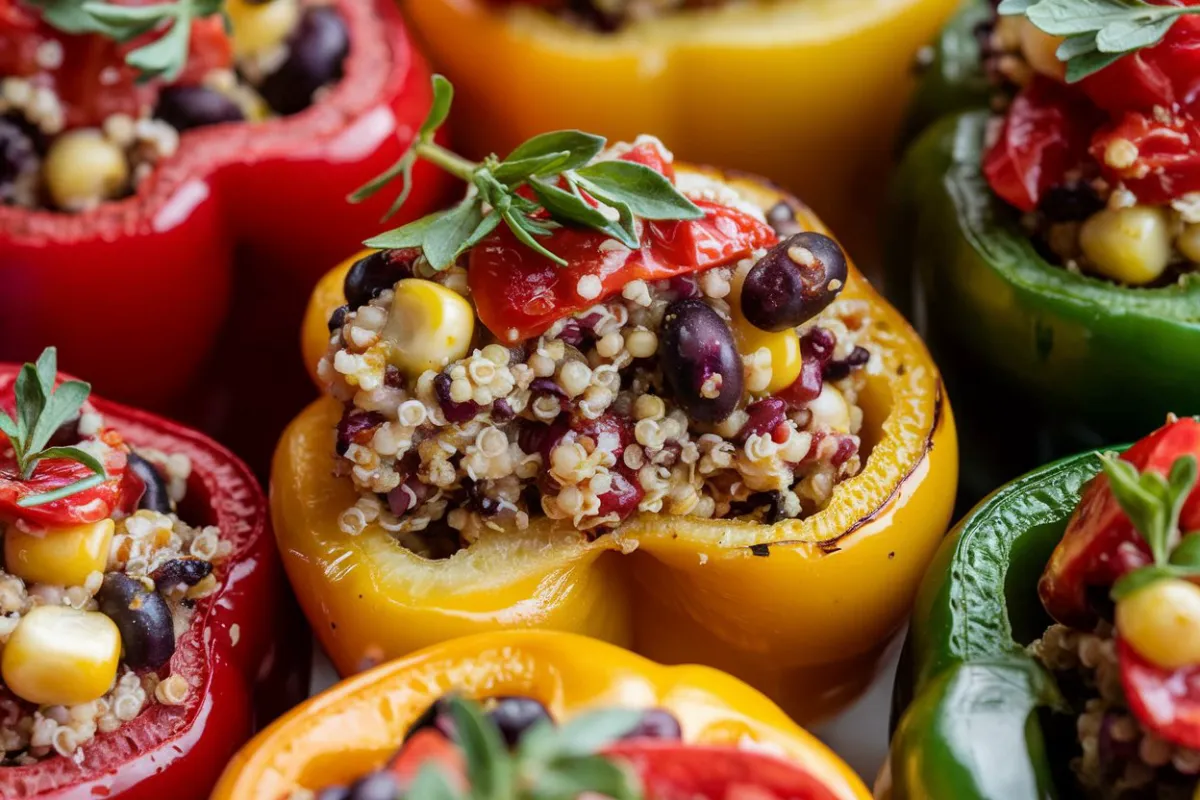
808	92
801	609
354	727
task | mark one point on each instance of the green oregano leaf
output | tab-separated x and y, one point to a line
1130	582
489	768
648	194
446	234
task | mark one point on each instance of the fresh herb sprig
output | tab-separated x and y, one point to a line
1098	32
41	410
548	763
165	57
1153	504
556	167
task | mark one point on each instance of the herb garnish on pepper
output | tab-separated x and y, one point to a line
40	410
554	167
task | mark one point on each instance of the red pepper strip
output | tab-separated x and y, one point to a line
1167	701
1045	134
135	292
674	771
1168	161
232	654
1100	544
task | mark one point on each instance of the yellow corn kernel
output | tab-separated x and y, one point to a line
1040	50
1188	242
1129	245
62	556
428	327
260	27
1162	622
830	410
60	656
83	169
784	347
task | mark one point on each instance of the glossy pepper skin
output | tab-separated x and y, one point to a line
787	608
240	222
357	725
242	655
1027	337
758	87
967	691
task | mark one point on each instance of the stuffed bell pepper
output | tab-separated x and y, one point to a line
615	395
827	77
1052	236
164	163
140	615
1055	646
537	714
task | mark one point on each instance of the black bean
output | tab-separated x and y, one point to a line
656	723
155	497
19	162
338	318
454	412
316	51
782	218
700	363
375	786
793	282
142	617
67	434
187	107
839	368
513	716
373	274
334	793
187	571
356	427
1070	203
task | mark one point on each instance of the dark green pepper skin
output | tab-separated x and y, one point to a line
1043	361
969	703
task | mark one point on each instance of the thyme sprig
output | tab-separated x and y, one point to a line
568	188
1098	32
1153	504
41	410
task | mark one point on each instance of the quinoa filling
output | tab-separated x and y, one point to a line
79	125
1105	202
584	424
1118	756
136	576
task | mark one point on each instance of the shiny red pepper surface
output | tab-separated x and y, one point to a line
233	654
519	293
1148	99
225	238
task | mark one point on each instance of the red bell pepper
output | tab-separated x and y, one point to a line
233	654
243	219
1167	701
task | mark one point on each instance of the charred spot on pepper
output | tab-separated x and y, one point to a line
762	550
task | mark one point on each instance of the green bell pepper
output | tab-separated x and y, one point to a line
1028	346
974	714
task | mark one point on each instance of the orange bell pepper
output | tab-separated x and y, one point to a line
356	726
764	87
801	609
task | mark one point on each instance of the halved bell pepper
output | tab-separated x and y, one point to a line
242	655
1013	330
801	609
235	228
756	86
357	725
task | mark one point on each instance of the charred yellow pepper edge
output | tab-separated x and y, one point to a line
810	92
355	726
801	610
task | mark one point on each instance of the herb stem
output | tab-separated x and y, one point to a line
449	161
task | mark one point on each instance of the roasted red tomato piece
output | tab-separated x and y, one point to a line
1045	133
90	505
430	746
1100	544
675	771
1168	161
519	294
1167	701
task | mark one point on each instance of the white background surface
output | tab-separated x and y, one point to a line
859	735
